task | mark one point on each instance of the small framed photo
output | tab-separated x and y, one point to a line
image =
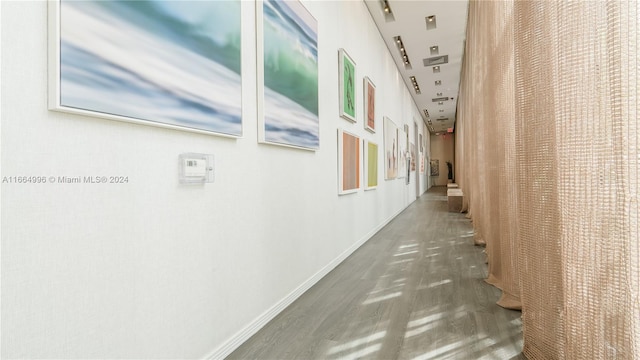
369	105
348	162
347	81
370	165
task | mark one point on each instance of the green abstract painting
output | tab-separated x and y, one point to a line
290	57
347	86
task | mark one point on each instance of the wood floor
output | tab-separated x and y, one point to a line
414	291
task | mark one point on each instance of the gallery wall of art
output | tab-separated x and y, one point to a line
106	254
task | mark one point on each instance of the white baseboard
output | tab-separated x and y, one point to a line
243	335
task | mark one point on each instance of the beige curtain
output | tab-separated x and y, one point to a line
486	154
548	158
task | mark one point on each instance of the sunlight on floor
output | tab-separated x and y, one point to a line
443	350
424	328
407	246
387	289
438	283
382	298
356	343
425	320
401	261
407	253
360	353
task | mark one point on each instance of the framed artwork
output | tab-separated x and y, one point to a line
406	137
422	164
370	165
402	153
435	167
120	60
347	77
421	146
412	148
369	105
287	73
348	162
390	149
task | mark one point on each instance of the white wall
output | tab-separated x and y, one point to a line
442	149
153	269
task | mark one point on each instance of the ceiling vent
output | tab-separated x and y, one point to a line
436	60
442	119
440	99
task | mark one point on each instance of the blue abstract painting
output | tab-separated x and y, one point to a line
167	62
290	46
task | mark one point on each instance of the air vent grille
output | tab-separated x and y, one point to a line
436	60
440	99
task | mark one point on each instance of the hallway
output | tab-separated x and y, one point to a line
413	291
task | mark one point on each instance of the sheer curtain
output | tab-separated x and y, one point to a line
549	161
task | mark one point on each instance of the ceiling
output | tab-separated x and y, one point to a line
408	19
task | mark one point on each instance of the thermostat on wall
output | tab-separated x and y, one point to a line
196	168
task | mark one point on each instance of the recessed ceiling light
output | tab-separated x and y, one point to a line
439	94
441	110
438	82
388	14
436	69
434	50
415	84
431	22
403	52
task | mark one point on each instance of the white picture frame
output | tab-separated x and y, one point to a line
347	86
349	158
371	171
369	97
287	115
118	71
